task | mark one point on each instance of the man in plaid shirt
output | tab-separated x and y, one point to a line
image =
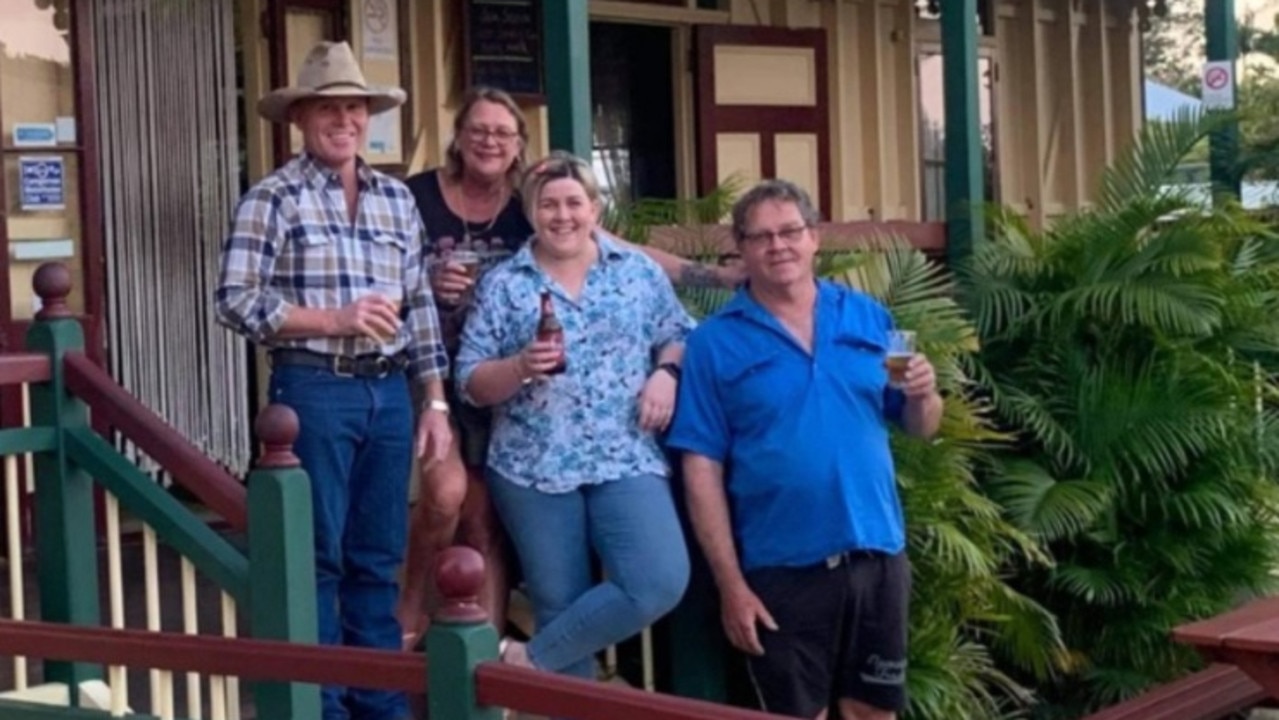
324	267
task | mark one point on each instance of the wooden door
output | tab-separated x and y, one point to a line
293	27
763	109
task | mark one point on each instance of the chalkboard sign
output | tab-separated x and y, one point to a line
504	46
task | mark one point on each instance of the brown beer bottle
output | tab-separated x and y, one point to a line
549	329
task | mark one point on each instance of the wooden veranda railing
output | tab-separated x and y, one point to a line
56	469
462	681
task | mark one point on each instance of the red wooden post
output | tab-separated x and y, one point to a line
277	429
460	638
52	282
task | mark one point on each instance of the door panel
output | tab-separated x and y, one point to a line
763	108
295	26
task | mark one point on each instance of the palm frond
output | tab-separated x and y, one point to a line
1145	168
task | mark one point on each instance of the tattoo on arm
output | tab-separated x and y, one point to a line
696	275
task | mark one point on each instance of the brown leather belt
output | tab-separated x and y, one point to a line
367	367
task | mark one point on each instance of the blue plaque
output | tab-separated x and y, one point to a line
42	182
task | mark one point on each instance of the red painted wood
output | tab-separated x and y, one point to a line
1262	667
208	481
767	120
210	655
18	368
540	693
1210	694
1213	631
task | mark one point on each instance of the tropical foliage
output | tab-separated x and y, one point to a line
965	619
1131	347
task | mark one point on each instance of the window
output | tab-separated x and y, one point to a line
42	151
932	121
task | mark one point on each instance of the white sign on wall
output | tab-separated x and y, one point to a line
379	23
1218	85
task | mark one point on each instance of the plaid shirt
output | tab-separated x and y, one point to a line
292	244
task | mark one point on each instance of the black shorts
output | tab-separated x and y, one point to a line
473	426
841	634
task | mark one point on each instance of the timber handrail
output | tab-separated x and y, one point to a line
541	693
19	368
192	469
262	660
497	684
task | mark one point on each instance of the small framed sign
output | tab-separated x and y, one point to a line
35	134
42	182
504	47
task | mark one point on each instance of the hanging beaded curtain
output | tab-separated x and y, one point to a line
166	98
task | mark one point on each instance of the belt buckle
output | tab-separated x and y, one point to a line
834	561
383	365
337	366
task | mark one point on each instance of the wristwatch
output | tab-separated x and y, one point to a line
671	368
438	405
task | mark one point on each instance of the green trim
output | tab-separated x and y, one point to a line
28	440
965	225
14	710
567	54
456	650
63	513
1222	39
173	523
282	580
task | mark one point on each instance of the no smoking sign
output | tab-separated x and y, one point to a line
1218	85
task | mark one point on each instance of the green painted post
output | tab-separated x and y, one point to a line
965	224
460	638
566	51
1222	36
66	545
282	559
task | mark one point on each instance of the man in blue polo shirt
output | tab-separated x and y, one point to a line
783	419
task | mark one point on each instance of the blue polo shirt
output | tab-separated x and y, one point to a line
803	438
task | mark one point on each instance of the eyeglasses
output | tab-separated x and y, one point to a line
788	235
502	136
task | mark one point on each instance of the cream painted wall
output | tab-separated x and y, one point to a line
1067	93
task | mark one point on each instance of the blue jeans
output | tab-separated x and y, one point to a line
356	443
632	527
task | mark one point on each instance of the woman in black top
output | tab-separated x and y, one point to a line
471	205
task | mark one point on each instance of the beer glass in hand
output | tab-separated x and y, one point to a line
393	293
901	348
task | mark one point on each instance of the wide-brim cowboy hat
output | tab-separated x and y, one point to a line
329	70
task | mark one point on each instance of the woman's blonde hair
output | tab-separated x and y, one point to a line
559	165
453	165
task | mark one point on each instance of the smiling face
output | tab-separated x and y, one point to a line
564	216
778	245
333	129
489	141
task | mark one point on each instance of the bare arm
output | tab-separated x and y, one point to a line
493	382
708	510
921	416
688	273
671	353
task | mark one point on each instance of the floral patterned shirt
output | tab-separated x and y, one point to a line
580	427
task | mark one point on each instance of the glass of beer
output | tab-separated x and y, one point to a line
393	292
901	348
470	262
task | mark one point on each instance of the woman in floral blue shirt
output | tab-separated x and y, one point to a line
574	464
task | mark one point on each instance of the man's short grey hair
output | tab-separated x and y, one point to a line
775	191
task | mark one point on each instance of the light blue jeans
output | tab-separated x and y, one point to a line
631	525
